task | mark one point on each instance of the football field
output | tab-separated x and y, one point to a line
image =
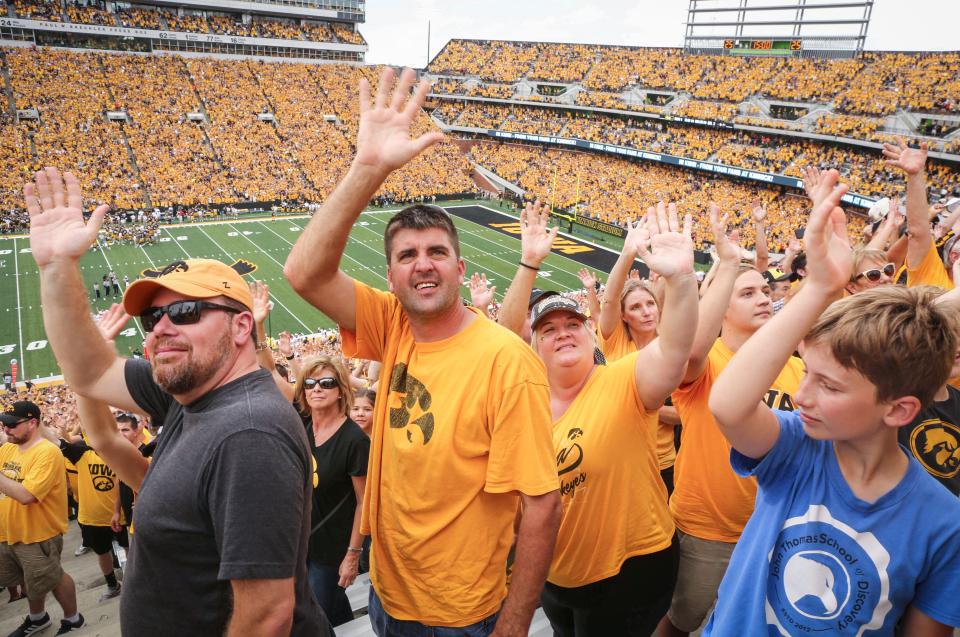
487	246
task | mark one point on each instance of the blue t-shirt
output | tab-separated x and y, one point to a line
816	559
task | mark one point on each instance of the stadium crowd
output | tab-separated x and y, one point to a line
555	444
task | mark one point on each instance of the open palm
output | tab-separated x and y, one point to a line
666	248
57	228
383	138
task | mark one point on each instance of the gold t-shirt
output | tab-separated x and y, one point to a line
709	500
614	501
40	470
99	488
616	347
930	271
461	427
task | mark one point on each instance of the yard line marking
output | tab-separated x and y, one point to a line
103	253
16	278
229	256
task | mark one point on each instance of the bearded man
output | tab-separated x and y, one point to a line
223	512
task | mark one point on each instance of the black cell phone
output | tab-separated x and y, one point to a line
798	233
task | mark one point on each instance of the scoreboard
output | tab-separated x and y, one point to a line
763	47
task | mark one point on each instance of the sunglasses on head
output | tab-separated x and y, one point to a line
180	313
875	274
327	382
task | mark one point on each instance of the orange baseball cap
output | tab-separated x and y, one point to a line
196	278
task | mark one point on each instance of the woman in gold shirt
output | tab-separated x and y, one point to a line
615	561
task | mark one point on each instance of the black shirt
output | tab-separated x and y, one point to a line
339	459
227	496
934	439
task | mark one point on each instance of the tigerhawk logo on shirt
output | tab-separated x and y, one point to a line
936	444
568	459
414	398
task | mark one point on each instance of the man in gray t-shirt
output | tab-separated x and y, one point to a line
223	511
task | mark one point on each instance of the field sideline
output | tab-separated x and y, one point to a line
264	242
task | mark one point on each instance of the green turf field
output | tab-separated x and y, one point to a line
264	242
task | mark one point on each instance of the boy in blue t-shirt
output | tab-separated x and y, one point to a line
850	536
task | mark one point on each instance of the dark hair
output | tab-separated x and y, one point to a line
420	217
799	263
369	394
130	418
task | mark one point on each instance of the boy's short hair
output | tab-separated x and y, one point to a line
420	217
896	337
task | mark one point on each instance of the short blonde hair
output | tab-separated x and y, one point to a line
309	367
896	337
862	254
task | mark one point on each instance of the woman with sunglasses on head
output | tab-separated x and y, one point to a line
340	450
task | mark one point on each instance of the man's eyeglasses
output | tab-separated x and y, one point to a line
875	274
180	313
14	425
327	382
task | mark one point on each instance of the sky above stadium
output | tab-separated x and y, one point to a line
397	29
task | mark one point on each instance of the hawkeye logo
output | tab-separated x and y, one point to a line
414	398
568	459
936	444
102	477
826	577
240	266
560	244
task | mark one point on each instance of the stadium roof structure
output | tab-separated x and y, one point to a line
800	28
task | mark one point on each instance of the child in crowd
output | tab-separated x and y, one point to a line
850	536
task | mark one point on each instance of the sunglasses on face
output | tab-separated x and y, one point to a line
875	274
180	313
14	425
327	382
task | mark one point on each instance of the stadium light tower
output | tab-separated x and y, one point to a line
798	28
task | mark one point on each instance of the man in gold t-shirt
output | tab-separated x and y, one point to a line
33	519
462	435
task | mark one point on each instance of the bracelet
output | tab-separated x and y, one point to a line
261	347
291	357
352	549
529	267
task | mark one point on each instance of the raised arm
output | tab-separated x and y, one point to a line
535	243
98	421
913	161
589	281
260	292
59	237
668	252
481	292
736	398
759	214
887	228
610	315
713	304
383	145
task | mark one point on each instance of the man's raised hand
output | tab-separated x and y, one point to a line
909	160
57	228
383	139
728	248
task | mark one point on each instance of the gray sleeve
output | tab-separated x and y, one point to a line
255	486
139	377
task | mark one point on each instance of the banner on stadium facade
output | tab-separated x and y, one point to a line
98	29
602	226
860	201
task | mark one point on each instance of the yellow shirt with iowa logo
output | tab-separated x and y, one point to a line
40	470
709	500
461	426
97	485
614	501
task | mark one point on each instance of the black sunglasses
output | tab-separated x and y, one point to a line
327	382
14	425
180	313
875	274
